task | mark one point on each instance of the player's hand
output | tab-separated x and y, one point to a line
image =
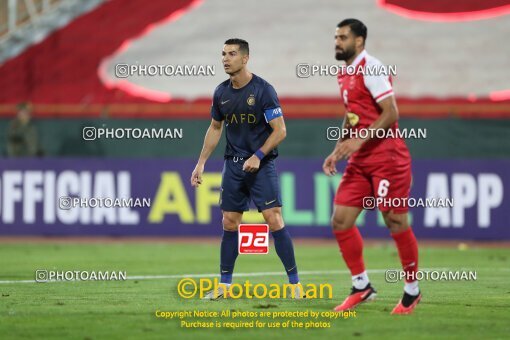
252	164
348	147
329	165
196	176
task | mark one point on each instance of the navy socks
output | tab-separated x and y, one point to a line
285	250
282	243
228	255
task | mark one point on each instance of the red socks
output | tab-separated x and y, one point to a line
408	252
351	247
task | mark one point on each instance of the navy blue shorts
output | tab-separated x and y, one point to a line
238	186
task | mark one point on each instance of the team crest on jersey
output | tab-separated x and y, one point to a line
352	118
251	100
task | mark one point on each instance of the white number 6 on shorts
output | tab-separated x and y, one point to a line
382	191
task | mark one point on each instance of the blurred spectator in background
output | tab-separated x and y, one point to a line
22	139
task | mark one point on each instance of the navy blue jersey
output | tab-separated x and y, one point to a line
247	112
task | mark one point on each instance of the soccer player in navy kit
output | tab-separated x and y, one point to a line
249	109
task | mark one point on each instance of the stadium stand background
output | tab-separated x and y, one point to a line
441	72
452	71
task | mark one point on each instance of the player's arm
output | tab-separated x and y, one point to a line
381	91
389	116
275	138
212	137
273	115
329	165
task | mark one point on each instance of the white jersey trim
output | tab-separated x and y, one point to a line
379	86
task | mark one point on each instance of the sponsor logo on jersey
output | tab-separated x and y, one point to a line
352	118
241	118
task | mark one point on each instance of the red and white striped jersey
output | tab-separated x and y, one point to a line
361	90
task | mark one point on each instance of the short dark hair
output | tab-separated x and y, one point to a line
357	27
243	44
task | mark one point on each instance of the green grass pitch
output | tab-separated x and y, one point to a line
126	309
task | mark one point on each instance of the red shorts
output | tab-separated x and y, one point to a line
385	185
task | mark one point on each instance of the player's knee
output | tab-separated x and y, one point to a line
229	227
275	225
275	222
230	223
340	223
395	222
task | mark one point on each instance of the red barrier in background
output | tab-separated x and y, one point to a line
60	74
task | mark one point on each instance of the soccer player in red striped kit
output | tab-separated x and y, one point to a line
377	167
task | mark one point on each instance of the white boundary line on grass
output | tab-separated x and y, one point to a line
183	276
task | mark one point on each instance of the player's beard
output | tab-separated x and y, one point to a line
345	55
